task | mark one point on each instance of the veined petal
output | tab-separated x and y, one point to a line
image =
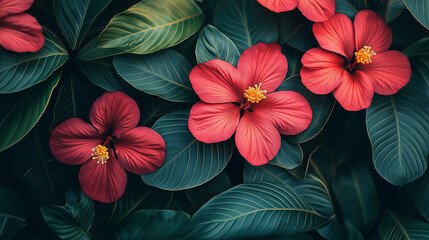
140	150
372	31
103	182
388	72
355	92
9	7
217	81
288	111
21	33
257	140
322	70
263	63
336	35
317	10
211	123
72	140
279	5
114	114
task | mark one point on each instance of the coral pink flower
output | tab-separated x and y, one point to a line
352	75
110	144
242	100
314	10
19	32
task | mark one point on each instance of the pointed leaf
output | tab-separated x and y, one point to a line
420	10
91	51
188	162
289	155
394	226
148	26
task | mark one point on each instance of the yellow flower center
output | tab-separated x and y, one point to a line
364	55
255	94
101	153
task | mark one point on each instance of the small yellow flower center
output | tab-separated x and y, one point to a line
364	55
255	94
101	153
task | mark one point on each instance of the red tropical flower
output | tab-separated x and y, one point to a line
110	144
354	76
19	32
242	100
314	10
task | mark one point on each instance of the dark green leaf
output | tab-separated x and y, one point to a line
19	71
91	51
356	195
352	233
188	162
75	17
289	155
154	224
254	209
200	195
350	7
420	10
418	192
245	22
394	226
21	111
332	230
72	221
322	107
296	31
418	50
213	44
148	26
164	74
392	9
398	128
13	213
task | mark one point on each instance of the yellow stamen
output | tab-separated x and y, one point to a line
255	94
364	55
101	153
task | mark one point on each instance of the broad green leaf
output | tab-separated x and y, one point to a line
356	195
13	213
322	107
254	209
398	128
91	51
350	7
391	9
418	50
154	224
420	10
149	26
418	192
289	155
188	162
21	111
311	189
245	22
102	73
202	194
75	17
164	74
394	226
351	232
19	71
44	179
332	230
72	221
213	44
296	31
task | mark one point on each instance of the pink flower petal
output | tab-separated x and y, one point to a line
211	123
257	140
288	111
114	114
317	10
21	33
279	5
355	92
217	81
9	7
336	35
263	63
371	30
140	150
322	70
72	140
388	72
103	182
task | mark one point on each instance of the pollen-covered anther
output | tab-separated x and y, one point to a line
364	55
101	153
255	94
